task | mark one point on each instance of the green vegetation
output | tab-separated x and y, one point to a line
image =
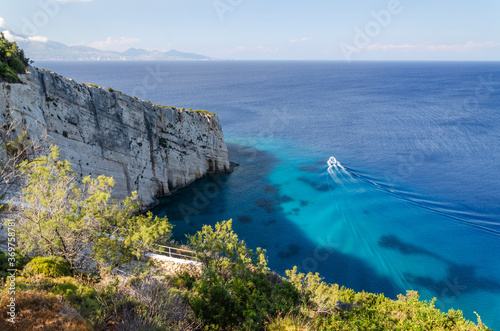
112	90
47	266
12	61
70	219
204	112
233	291
236	289
92	85
339	308
15	147
144	303
20	262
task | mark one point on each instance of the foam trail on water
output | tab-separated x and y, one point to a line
351	196
342	177
352	182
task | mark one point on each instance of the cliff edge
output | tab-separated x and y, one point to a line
150	149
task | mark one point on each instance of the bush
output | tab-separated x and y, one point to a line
204	112
339	308
290	322
241	301
12	61
83	298
20	262
183	280
144	304
8	74
48	267
236	289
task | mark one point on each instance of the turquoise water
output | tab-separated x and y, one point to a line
413	204
338	222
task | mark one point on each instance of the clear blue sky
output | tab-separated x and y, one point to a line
270	29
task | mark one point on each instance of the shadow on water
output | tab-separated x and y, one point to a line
394	243
459	278
254	204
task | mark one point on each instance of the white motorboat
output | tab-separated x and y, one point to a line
332	161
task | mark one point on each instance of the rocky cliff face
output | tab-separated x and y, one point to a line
146	148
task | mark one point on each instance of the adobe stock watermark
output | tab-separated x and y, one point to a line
363	36
482	92
449	294
48	9
222	7
408	164
278	121
151	80
324	249
11	278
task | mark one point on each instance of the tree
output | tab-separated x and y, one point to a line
15	147
80	222
236	289
220	248
12	61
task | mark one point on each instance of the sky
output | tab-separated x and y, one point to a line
269	29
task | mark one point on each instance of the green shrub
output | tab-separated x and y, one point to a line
20	262
236	289
183	280
16	64
339	308
244	301
12	61
83	298
290	322
8	74
47	266
204	112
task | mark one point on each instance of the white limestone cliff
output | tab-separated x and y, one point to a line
146	148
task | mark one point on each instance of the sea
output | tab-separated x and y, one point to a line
413	201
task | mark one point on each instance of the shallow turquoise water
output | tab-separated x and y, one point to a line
346	226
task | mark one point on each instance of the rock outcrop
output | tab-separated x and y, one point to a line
150	149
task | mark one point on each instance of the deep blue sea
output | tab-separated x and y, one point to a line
414	203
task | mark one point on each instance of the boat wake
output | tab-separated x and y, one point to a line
355	183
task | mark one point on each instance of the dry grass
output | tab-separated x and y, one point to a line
162	307
40	311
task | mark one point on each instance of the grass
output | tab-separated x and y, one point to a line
83	303
204	112
36	310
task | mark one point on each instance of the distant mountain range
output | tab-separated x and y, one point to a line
41	49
